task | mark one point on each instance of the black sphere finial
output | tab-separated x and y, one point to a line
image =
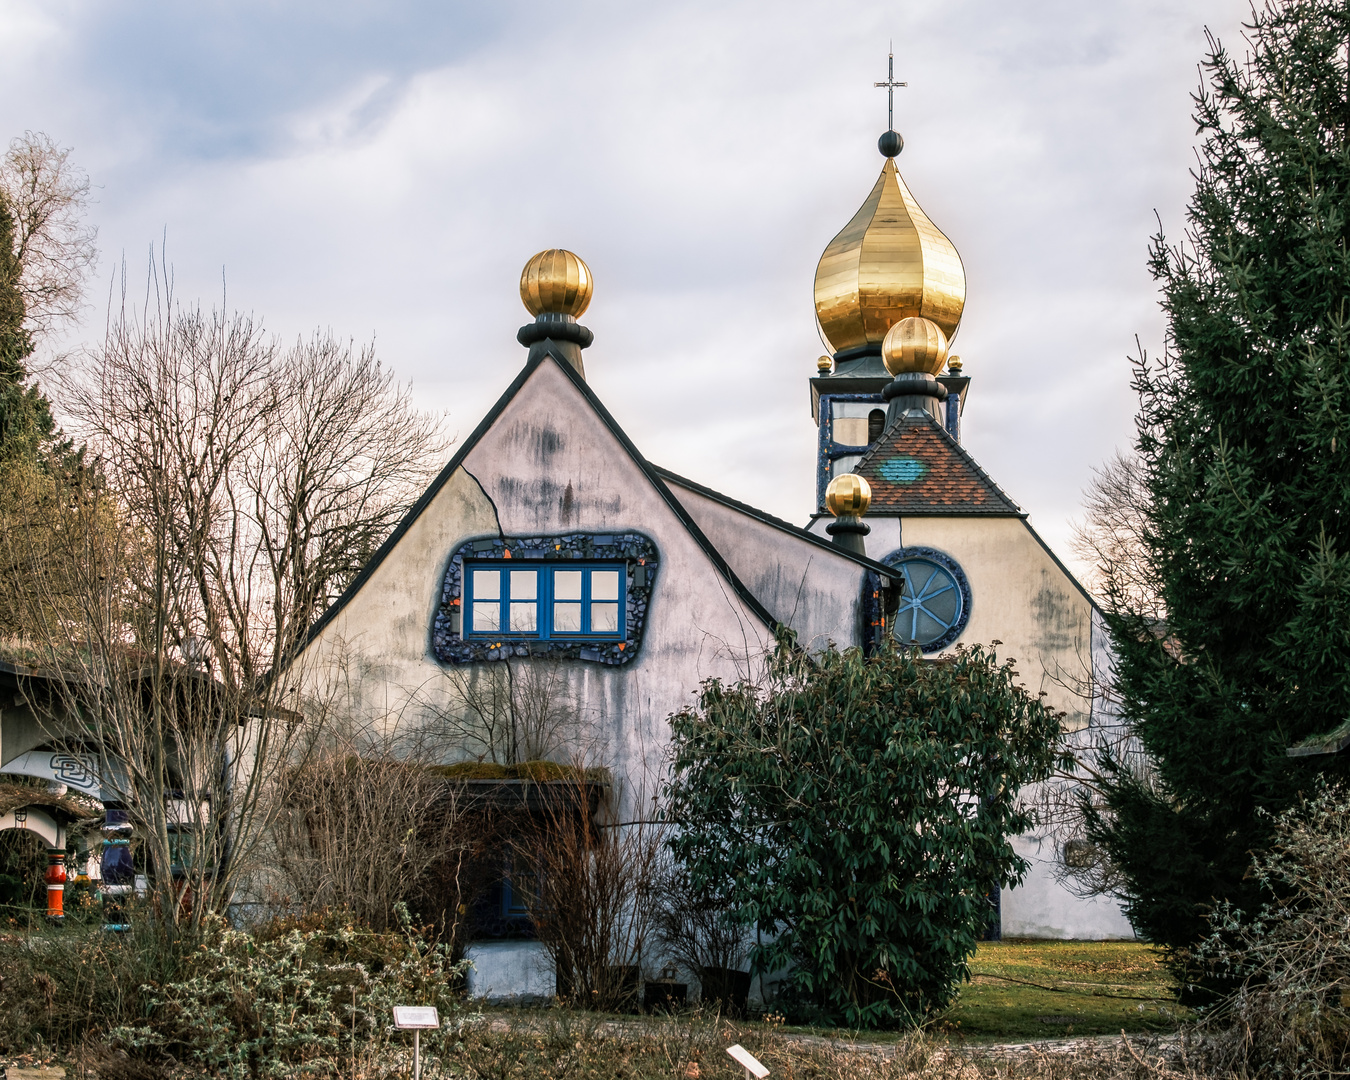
890	143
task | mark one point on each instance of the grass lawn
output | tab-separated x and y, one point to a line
1052	989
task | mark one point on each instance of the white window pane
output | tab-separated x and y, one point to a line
524	618
487	617
604	585
524	584
487	584
567	617
604	618
567	585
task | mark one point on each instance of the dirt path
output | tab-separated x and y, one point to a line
646	1028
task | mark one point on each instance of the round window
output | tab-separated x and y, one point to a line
935	605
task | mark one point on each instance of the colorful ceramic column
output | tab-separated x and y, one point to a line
56	883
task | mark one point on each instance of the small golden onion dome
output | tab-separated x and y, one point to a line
556	282
848	494
914	345
889	263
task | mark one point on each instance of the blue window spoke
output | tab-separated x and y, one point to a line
935	603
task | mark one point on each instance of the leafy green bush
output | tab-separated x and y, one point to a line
858	810
296	1002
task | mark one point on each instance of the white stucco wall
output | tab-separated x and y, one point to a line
812	590
510	971
38	822
1041	907
548	465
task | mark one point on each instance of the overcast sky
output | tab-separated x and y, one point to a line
385	169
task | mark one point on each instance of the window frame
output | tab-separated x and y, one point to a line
885	622
544	600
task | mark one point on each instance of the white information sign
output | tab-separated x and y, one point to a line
415	1016
751	1063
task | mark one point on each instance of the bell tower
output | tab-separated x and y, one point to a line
890	264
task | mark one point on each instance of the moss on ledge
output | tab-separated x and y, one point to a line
538	771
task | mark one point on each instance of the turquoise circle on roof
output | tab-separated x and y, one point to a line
902	470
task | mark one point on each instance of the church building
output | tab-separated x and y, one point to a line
549	540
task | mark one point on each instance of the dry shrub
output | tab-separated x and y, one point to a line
562	1044
296	1004
367	832
1289	1017
63	984
699	934
594	901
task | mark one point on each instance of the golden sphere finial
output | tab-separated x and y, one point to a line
914	344
848	495
824	364
556	282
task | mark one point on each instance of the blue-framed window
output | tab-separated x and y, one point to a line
548	601
935	604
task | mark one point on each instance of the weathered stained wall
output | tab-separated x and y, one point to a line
1022	597
1019	596
812	590
547	465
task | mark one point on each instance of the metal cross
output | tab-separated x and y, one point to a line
890	84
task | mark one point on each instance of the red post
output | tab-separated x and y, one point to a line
56	883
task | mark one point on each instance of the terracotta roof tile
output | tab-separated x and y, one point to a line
917	468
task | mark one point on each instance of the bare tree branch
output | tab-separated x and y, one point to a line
48	196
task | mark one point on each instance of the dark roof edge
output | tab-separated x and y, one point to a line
777	523
1064	569
1333	742
415	511
484	425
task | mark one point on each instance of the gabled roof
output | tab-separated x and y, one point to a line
677	508
777	523
917	470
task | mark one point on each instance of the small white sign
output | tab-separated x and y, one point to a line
415	1016
751	1063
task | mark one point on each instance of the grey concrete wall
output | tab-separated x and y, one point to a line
1042	907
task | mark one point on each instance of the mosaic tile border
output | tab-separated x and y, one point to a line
633	548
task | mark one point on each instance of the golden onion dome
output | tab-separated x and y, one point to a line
556	282
848	495
914	344
889	263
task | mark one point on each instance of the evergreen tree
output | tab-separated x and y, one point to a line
1244	427
27	429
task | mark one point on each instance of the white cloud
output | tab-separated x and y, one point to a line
388	171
